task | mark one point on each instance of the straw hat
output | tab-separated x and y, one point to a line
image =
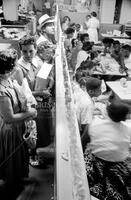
44	19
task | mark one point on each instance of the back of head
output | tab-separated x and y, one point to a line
43	46
94	14
83	36
27	40
116	42
7	60
108	41
69	30
126	47
93	83
79	74
87	64
87	46
118	111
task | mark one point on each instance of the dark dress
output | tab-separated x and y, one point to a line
13	150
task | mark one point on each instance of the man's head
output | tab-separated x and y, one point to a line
116	45
28	47
126	49
46	24
93	86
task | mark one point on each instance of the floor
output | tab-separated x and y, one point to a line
43	188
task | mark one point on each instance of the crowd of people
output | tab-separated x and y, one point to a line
105	138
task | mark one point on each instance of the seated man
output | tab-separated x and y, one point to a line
118	55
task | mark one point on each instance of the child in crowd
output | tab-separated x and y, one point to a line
107	155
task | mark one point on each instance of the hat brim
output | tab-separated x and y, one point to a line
47	22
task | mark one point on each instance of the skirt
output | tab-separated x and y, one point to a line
108	180
14	158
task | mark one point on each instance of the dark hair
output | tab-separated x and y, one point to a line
82	36
87	46
87	64
116	42
65	18
82	81
73	42
72	24
69	30
27	40
93	83
118	111
7	60
107	41
127	47
94	14
78	25
79	74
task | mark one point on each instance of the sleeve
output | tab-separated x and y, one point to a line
18	75
4	92
86	114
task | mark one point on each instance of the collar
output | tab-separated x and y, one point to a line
27	65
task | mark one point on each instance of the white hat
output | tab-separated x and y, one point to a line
45	19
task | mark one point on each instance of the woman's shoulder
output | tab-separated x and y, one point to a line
4	91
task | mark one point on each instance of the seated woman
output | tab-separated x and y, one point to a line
107	154
13	150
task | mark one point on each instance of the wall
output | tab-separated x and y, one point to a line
79	16
8	7
125	12
107	9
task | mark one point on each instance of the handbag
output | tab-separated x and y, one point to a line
30	135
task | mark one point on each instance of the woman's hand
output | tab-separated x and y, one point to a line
32	112
46	94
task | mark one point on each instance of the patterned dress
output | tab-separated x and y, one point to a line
13	150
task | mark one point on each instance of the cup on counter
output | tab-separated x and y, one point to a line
123	82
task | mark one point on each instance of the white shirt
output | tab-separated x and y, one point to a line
81	56
109	140
42	38
127	62
83	104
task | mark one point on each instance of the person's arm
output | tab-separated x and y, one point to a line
123	68
18	75
85	137
8	114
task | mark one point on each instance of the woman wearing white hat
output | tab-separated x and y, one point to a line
47	30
